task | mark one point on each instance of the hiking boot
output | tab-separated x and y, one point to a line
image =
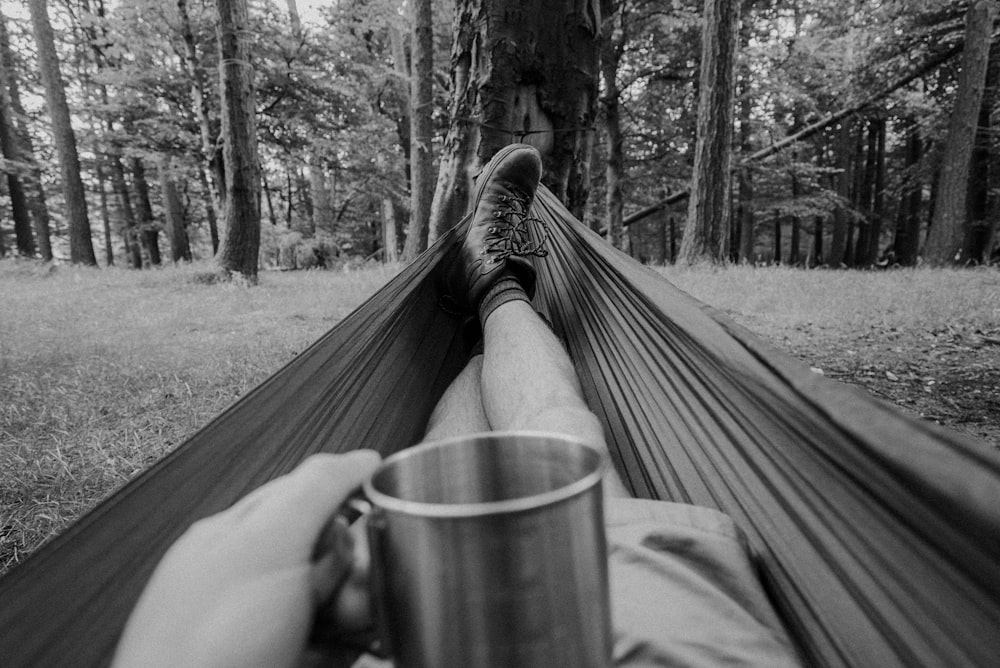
498	242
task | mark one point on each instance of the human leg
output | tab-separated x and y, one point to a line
460	410
529	382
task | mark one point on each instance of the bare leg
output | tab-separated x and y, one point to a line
460	410
529	383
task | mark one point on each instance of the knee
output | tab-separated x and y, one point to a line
577	422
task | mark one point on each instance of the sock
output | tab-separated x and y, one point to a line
507	289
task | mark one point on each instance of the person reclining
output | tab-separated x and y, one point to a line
241	588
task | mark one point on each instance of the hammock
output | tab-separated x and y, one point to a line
877	535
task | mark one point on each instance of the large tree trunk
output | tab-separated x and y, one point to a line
241	227
945	239
421	130
706	233
80	243
522	71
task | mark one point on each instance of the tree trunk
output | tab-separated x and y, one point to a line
522	71
149	233
946	236
865	183
293	18
777	237
612	48
130	233
210	153
241	225
981	174
706	231
795	248
844	152
173	211
23	236
878	196
109	251
81	245
745	181
817	254
421	130
322	207
906	244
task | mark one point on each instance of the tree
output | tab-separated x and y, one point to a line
521	72
81	246
612	48
706	233
173	211
15	189
946	236
30	176
422	130
241	225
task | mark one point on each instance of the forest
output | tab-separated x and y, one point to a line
292	135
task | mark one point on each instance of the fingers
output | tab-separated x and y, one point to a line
294	508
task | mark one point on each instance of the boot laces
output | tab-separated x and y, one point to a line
509	233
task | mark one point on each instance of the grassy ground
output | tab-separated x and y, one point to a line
102	372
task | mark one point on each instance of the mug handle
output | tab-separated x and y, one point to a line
324	635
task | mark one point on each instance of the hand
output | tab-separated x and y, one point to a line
241	588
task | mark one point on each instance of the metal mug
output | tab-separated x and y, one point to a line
489	550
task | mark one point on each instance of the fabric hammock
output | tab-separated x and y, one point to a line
878	535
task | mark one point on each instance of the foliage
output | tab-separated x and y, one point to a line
333	115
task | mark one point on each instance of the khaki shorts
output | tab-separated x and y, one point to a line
684	592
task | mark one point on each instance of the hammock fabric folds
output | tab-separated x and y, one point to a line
877	535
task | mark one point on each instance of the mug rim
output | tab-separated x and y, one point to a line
395	504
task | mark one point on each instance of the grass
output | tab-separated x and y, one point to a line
776	301
102	372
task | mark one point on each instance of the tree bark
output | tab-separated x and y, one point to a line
210	153
612	48
523	71
878	196
906	244
982	173
81	244
109	251
421	130
745	181
241	225
865	182
706	232
817	250
322	213
844	151
173	210
23	236
777	238
945	239
149	233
